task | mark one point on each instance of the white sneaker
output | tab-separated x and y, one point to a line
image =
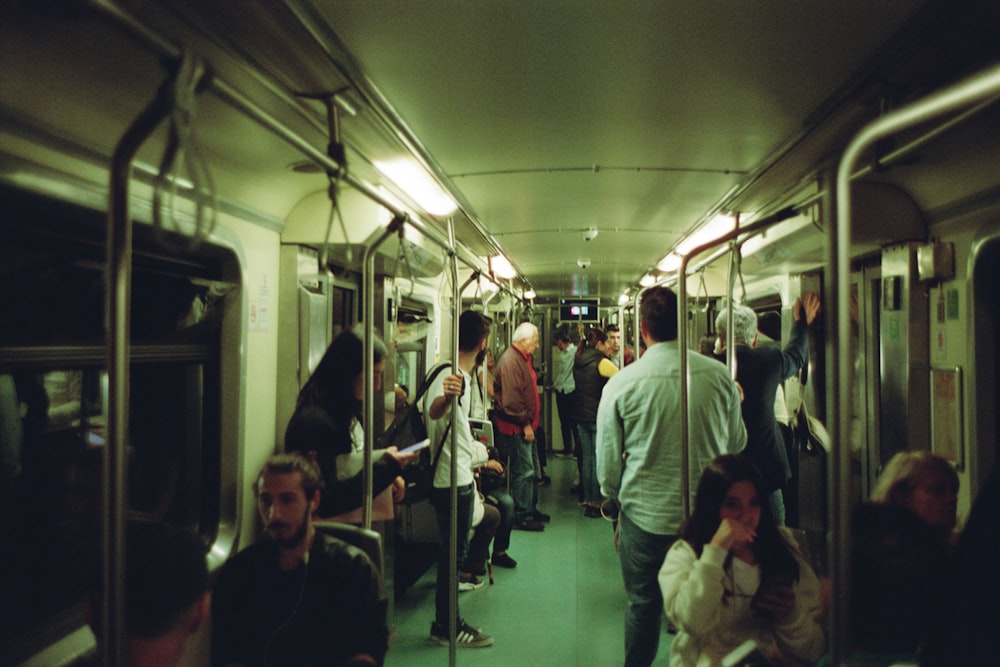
469	582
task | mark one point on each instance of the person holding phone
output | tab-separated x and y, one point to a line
735	575
327	426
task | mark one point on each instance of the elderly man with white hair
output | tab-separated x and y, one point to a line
759	371
516	410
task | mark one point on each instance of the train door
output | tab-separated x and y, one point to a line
863	437
984	308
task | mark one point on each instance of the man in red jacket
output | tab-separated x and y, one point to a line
516	409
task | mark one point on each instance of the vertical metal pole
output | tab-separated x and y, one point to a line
368	368
456	311
682	337
685	388
983	86
118	279
730	288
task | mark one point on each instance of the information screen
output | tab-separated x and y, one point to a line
578	310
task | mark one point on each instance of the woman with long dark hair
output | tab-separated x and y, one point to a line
327	425
591	370
735	575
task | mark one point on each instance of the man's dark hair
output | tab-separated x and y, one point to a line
290	462
562	334
166	575
658	311
473	328
611	328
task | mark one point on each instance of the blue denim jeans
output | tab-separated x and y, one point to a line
587	432
505	504
441	501
642	555
523	487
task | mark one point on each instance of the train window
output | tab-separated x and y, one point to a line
54	407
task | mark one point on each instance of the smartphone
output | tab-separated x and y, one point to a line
415	447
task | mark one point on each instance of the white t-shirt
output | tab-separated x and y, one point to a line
470	453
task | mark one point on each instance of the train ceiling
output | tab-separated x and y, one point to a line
545	120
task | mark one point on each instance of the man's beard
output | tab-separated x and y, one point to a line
296	538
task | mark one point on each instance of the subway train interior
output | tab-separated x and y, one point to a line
197	196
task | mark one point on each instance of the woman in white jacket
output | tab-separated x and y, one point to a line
733	575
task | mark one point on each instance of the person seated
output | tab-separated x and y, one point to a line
493	481
734	575
297	597
925	484
898	573
166	594
327	425
966	631
485	521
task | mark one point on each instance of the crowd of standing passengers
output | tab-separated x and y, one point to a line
727	574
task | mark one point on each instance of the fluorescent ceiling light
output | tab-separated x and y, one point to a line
414	180
502	267
530	294
712	229
623	299
647	280
670	263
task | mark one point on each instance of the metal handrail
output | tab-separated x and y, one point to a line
682	337
118	278
967	93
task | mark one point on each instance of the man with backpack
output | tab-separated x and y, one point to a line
444	391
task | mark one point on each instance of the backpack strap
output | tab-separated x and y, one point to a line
431	375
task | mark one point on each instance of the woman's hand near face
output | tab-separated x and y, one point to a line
731	534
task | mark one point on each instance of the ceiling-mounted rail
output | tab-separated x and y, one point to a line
236	99
327	40
970	93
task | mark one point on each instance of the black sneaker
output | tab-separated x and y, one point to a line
468	636
530	525
503	560
542	517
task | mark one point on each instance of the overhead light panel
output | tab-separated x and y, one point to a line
415	181
647	280
529	294
623	299
670	263
502	267
711	230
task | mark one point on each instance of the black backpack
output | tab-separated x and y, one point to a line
407	428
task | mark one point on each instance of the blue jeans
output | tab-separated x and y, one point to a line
441	500
523	487
505	504
587	432
642	555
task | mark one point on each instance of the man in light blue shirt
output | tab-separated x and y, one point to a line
563	385
639	456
